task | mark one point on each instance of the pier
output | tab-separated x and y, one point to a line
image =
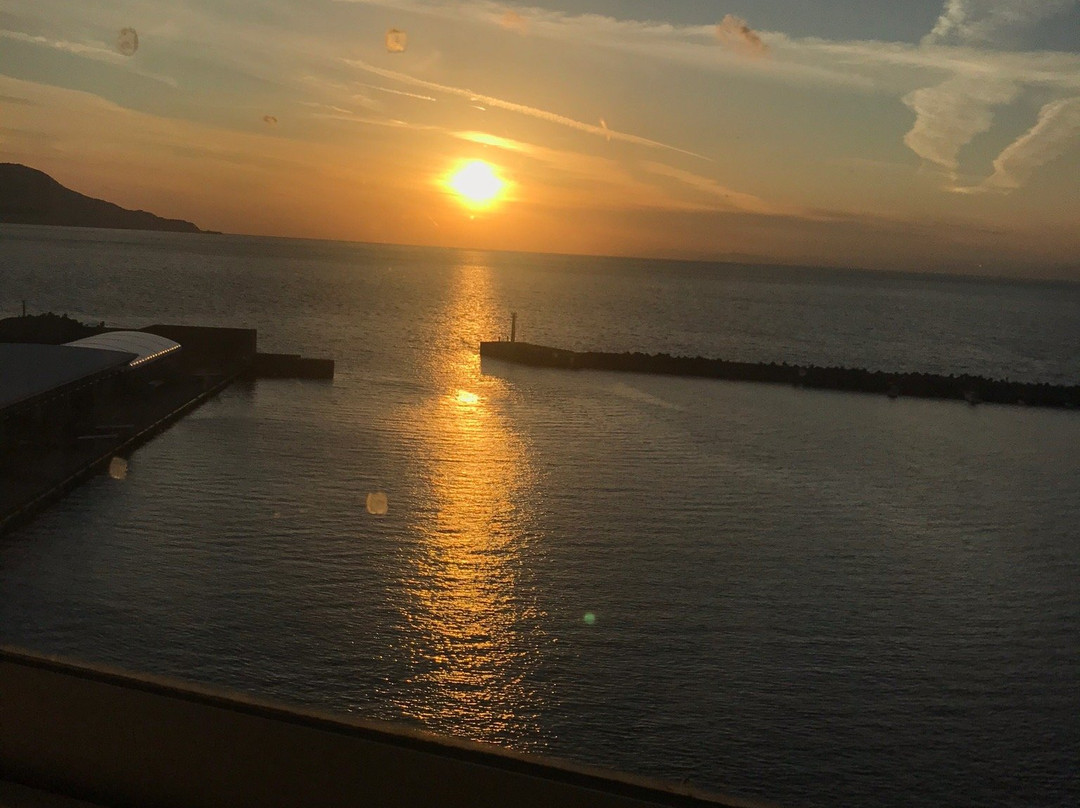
972	389
76	408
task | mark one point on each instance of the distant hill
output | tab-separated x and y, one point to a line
29	196
45	329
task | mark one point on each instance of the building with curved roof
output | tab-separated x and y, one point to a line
145	346
30	374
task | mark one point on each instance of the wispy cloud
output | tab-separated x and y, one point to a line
968	22
417	96
93	51
513	21
728	198
367	120
504	143
1056	129
522	109
950	114
336	113
868	65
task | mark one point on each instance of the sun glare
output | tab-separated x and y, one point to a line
476	183
466	398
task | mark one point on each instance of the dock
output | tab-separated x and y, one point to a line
72	410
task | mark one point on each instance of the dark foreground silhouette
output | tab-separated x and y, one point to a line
29	196
64	418
973	389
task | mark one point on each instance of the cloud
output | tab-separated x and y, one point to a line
485	139
352	117
401	92
89	51
1057	127
690	45
735	35
337	113
950	114
522	109
866	65
513	21
90	132
988	22
731	200
78	48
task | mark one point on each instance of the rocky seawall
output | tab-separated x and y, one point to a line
973	389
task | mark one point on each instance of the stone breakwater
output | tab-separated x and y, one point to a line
973	389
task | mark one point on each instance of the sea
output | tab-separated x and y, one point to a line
812	598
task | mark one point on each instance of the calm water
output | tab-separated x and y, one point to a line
812	597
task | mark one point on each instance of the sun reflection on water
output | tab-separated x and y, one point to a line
476	630
466	398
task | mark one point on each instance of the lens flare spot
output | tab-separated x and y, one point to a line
118	468
377	504
589	618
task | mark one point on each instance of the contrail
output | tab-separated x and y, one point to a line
533	112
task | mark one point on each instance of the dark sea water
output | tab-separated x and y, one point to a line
812	597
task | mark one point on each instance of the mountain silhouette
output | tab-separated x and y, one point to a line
29	196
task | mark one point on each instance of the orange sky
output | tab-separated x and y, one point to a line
949	143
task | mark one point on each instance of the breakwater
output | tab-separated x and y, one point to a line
973	389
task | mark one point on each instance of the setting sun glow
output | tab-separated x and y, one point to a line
476	183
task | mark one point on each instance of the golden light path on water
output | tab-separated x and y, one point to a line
475	629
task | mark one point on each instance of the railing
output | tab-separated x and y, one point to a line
90	733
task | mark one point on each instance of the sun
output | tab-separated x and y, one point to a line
476	183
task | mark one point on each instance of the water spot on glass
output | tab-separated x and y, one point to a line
377	503
734	34
118	468
395	40
270	120
589	618
127	41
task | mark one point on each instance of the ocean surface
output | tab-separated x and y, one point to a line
811	597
